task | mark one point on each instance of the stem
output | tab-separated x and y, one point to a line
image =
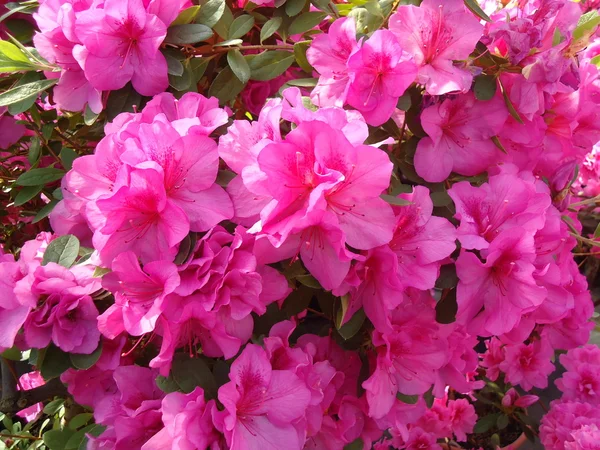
14	401
247	47
20	436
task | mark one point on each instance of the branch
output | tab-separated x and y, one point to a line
23	399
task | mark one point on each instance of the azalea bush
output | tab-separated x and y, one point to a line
299	224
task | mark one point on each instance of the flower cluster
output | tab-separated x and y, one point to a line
366	228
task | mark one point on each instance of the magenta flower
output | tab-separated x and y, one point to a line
138	294
328	54
507	200
263	407
380	71
437	33
122	44
528	365
140	218
317	168
188	423
457	129
492	296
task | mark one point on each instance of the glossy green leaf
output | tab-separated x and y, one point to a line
270	64
188	34
36	177
63	251
306	21
240	26
238	65
476	9
23	92
26	194
186	16
270	28
485	87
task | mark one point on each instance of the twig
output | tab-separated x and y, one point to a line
15	401
20	436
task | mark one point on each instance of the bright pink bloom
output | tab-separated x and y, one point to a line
581	381
585	438
380	71
328	54
139	217
492	296
559	427
462	418
122	44
505	201
492	358
188	423
317	168
437	33
263	407
457	129
138	294
512	398
407	357
528	365
29	381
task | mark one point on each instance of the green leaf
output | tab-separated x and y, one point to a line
13	353
293	7
306	21
184	81
189	373
502	422
35	177
34	150
352	326
188	34
485	423
89	116
20	93
300	49
586	25
511	109
238	65
408	399
174	65
26	194
357	444
396	201
198	67
597	232
498	144
226	86
52	407
187	15
99	272
67	156
43	213
485	87
270	64
122	100
12	59
221	27
95	430
404	102
269	28
25	104
80	420
62	250
167	384
57	439
240	26
476	9
83	362
303	82
55	363
211	12
596	60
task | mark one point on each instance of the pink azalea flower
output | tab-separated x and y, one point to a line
492	296
139	217
188	423
505	201
263	407
585	438
492	358
138	294
407	357
512	398
29	381
437	33
562	422
581	383
462	418
317	168
421	241
454	137
65	312
380	71
528	365
121	43
328	54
